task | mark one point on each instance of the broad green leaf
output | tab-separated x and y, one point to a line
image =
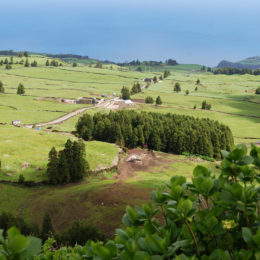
200	171
184	207
247	235
100	250
141	255
32	249
149	229
18	243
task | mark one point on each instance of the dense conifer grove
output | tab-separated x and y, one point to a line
169	133
68	165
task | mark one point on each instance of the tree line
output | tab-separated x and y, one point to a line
67	165
169	133
231	71
78	233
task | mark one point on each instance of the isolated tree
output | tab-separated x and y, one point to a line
8	66
136	88
47	63
205	105
149	100
11	60
209	69
187	92
166	73
20	89
99	65
27	64
161	77
2	89
74	64
21	179
196	88
34	64
195	107
257	91
197	82
20	55
6	61
154	79
26	54
177	87
125	93
47	228
158	101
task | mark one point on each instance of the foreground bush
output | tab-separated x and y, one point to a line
209	217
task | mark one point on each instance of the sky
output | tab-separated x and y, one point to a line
190	31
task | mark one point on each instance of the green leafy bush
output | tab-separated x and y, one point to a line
211	217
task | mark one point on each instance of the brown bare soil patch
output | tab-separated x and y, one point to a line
142	160
138	100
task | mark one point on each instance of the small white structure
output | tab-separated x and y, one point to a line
16	122
128	102
68	101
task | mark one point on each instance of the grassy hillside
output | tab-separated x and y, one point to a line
20	146
232	98
101	199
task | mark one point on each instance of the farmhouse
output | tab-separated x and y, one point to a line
16	122
87	100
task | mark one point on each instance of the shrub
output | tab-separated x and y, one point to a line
2	89
205	105
125	93
79	233
158	100
177	87
20	89
149	100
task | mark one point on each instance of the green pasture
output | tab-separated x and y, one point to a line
20	146
232	98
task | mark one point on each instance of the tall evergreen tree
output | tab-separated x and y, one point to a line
27	64
125	93
2	89
63	168
177	87
47	63
52	167
47	228
158	100
20	89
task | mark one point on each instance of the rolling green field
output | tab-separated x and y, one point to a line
101	199
232	98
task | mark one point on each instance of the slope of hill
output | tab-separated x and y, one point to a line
249	63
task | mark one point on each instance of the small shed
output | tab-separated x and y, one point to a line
16	122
